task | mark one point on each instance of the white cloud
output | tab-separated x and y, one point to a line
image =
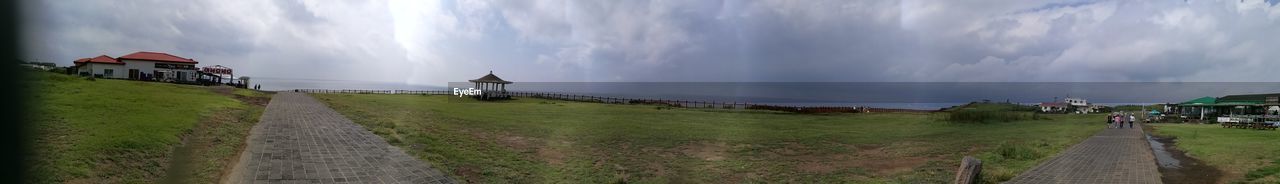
432	42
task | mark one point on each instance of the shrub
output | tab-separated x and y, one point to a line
987	116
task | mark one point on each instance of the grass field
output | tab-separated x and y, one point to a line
544	141
1244	155
116	131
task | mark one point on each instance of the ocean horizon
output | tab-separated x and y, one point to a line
897	95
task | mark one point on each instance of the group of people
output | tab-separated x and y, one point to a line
1117	120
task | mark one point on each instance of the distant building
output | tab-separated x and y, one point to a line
1076	102
102	66
38	67
160	66
1249	104
1076	105
1053	107
139	66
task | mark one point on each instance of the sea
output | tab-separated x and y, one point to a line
897	95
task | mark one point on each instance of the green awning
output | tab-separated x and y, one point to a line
1202	101
1236	103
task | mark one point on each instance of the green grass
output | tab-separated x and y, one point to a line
992	112
1244	155
544	141
116	131
995	107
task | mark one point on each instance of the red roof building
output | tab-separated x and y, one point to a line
156	66
158	57
104	59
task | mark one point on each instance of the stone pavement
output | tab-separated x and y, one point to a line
1111	156
301	140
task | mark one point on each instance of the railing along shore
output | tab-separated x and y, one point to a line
614	100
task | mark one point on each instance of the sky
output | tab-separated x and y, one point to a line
428	42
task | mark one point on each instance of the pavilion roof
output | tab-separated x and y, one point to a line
490	79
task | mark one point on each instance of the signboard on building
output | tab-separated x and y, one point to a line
216	69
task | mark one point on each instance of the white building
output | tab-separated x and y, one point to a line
1052	107
140	66
159	66
1069	105
102	66
1076	102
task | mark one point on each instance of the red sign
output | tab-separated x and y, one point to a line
216	69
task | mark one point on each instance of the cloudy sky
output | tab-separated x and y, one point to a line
432	42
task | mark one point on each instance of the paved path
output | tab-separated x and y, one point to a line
300	140
1111	156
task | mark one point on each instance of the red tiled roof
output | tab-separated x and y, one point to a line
157	56
100	59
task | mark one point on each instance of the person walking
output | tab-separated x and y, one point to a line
1118	121
1122	119
1111	120
1131	120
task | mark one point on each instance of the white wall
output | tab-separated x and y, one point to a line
149	67
142	66
117	70
1077	102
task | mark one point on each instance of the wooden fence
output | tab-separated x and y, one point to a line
613	100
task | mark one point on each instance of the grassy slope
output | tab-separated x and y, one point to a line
118	131
1245	155
533	141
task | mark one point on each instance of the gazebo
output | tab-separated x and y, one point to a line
491	87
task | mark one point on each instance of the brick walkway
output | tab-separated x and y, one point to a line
1111	156
301	140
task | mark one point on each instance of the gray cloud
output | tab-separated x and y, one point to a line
432	42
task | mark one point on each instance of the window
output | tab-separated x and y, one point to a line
108	72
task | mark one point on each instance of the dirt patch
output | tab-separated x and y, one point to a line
1176	166
258	101
540	149
878	160
230	91
204	138
516	142
553	156
705	151
223	90
113	166
469	173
